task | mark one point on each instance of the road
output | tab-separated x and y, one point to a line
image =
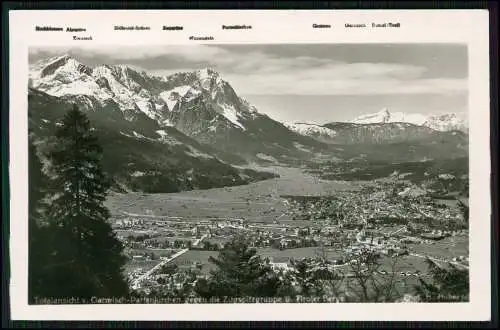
199	240
164	262
397	231
167	219
152	270
150	216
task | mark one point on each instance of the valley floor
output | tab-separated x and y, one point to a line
254	202
187	228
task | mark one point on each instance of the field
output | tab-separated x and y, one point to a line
136	264
256	202
157	252
195	256
449	247
284	255
275	255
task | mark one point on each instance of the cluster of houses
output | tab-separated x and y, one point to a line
350	221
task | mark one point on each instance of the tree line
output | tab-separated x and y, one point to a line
240	272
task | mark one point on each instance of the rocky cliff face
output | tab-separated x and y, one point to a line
140	155
199	104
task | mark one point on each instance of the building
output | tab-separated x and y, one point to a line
279	266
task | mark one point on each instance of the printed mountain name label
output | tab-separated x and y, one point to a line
82	38
48	28
201	38
70	29
236	27
131	27
321	26
172	27
386	25
349	25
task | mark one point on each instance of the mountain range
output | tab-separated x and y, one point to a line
443	122
199	104
385	127
190	130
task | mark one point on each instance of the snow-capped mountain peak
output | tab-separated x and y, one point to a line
385	116
207	73
437	122
164	99
447	122
64	63
311	129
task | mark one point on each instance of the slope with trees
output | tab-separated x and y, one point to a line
81	256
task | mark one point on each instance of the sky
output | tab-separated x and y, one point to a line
311	82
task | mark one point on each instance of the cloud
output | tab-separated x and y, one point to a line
190	53
285	84
261	73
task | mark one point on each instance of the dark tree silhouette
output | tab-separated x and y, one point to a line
304	276
86	258
37	247
240	273
448	284
464	209
315	277
368	281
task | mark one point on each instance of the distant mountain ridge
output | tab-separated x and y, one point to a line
317	131
384	127
444	122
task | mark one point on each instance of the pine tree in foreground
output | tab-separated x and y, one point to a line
448	284
86	258
37	245
240	273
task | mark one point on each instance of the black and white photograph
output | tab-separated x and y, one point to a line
285	165
249	173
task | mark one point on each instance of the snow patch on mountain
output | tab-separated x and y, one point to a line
311	129
300	147
207	77
167	122
139	135
166	138
138	174
193	152
232	115
447	122
127	135
147	107
267	157
384	116
171	97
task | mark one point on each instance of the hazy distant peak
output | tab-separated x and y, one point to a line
311	129
442	122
